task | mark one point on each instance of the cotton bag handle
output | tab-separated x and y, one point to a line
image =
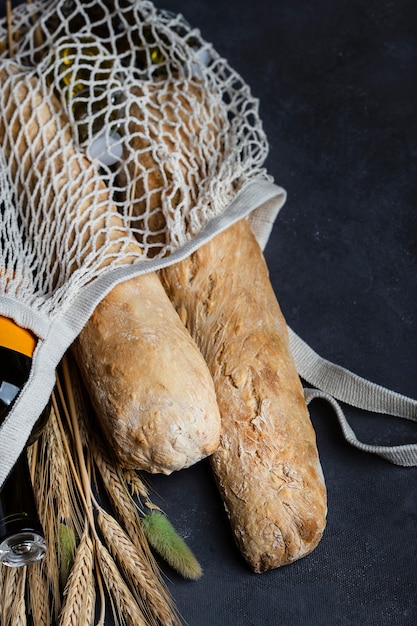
335	383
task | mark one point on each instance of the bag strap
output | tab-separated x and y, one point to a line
333	383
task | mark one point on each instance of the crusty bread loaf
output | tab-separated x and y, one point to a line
148	382
147	379
267	466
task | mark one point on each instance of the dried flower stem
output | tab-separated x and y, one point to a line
9	27
133	189
38	32
80	483
165	540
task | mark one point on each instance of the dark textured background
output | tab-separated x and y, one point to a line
337	89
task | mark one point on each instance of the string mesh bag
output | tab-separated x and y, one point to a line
126	142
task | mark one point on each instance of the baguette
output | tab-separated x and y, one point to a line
148	380
149	384
267	466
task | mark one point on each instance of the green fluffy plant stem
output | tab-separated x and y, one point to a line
67	544
165	540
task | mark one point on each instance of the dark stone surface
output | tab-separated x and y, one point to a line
337	89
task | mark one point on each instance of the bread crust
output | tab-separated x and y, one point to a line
150	386
267	466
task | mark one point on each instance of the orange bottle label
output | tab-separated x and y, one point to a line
15	337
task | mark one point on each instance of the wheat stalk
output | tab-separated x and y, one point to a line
150	583
57	504
124	507
39	599
9	27
79	594
116	490
147	574
157	606
123	600
19	608
60	482
13	596
8	593
124	554
136	485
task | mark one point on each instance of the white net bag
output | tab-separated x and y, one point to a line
126	142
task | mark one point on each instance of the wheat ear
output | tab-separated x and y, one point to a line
19	607
123	550
39	599
104	560
136	485
79	594
58	505
123	601
13	595
152	586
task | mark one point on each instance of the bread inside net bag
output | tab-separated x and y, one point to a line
104	62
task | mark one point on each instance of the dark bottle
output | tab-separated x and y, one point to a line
82	74
130	33
21	536
115	25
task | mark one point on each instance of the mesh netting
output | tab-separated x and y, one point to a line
125	141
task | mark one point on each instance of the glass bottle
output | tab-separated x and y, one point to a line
21	535
123	29
81	72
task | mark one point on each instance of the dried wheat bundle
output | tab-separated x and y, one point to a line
99	559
